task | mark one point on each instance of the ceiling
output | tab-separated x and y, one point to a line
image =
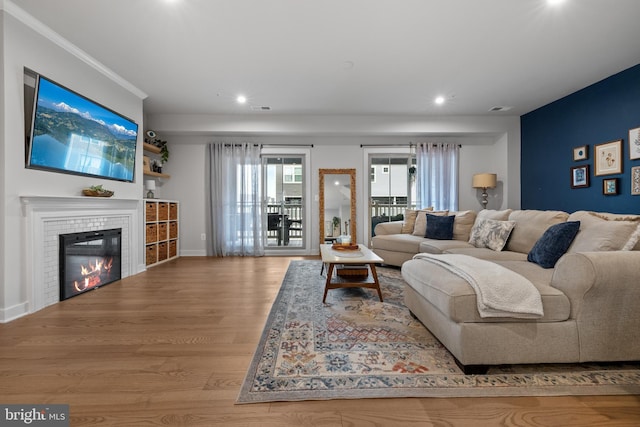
361	57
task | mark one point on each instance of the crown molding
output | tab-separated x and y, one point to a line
45	31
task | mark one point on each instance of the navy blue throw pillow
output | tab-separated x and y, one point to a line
440	227
553	244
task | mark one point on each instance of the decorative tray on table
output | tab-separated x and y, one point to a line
345	246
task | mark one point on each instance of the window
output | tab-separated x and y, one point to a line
291	173
391	188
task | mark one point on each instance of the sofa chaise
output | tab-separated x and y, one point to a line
589	289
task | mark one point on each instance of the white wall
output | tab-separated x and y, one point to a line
24	47
186	166
187	185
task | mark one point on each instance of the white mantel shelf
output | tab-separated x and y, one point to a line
66	203
53	199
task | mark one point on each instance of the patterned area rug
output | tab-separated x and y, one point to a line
354	346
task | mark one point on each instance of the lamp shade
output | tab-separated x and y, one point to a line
484	180
150	184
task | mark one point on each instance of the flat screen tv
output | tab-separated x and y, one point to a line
72	134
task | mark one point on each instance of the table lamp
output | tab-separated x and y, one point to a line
484	181
151	185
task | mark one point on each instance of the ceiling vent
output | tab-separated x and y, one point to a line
260	108
500	108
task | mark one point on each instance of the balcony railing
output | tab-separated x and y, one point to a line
289	222
383	209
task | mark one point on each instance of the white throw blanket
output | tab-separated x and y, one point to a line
500	291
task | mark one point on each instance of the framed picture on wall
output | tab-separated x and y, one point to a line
608	158
634	143
610	186
635	180
580	176
581	153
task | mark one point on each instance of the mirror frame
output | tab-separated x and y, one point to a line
352	221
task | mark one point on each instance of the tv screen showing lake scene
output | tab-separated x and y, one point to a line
73	134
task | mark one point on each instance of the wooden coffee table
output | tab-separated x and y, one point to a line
332	257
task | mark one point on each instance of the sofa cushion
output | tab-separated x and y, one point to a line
490	233
410	219
553	244
530	226
488	254
398	243
600	234
432	246
420	227
493	214
456	299
440	227
463	224
629	246
634	241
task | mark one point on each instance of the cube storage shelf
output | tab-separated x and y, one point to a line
161	225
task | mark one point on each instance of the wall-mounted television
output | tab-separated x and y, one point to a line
70	133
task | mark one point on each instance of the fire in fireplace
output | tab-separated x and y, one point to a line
89	260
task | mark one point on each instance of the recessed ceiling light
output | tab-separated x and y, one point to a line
241	99
555	2
439	100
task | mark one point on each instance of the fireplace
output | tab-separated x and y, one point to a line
89	260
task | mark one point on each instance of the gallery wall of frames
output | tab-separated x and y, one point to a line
582	152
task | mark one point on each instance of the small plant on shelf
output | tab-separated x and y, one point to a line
164	152
152	138
97	191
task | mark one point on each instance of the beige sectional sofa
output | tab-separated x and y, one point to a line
590	297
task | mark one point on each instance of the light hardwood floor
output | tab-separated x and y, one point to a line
170	347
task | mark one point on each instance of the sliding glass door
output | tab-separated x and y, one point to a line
392	187
284	188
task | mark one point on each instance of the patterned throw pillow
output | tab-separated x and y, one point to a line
491	233
440	227
553	244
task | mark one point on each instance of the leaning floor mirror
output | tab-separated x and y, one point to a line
337	197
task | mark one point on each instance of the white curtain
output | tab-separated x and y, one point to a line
437	176
234	200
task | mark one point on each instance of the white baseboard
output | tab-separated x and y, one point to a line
13	313
193	252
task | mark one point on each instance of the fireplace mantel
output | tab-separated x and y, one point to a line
71	203
46	217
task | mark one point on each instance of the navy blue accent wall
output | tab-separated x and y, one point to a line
602	112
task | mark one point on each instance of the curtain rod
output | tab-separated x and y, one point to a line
384	145
285	145
270	145
411	144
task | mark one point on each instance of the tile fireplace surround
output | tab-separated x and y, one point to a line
45	218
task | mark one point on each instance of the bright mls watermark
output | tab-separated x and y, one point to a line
34	415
